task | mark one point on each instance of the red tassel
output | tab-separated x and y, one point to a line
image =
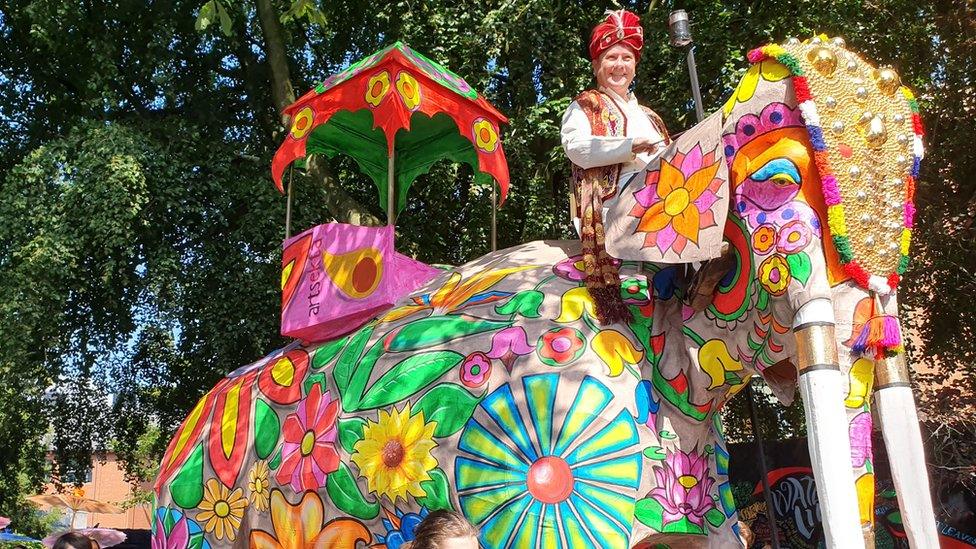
855	271
893	280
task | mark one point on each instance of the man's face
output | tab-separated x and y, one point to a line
615	68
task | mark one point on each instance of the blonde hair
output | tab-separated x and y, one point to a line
439	526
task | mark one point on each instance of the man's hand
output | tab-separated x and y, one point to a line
644	145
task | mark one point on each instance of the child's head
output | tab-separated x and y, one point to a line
74	540
445	530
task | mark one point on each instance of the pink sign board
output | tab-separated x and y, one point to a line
336	277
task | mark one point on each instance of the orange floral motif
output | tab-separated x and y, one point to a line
377	87
485	136
300	525
455	295
763	238
676	202
302	123
409	90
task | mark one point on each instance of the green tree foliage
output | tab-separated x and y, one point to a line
140	232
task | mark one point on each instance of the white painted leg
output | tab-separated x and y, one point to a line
903	439
822	390
830	454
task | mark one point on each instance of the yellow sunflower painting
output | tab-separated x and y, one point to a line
394	454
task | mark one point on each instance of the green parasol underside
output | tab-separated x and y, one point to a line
428	141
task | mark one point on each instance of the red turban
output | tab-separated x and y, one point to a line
620	27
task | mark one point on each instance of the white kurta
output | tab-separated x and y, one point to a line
589	151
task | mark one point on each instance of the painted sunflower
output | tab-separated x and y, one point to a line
394	453
259	485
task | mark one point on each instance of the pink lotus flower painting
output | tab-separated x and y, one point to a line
682	501
675	203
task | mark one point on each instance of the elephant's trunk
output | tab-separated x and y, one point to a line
821	387
899	422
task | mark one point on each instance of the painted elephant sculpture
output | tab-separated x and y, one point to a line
493	390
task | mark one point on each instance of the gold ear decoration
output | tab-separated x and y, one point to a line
868	140
887	80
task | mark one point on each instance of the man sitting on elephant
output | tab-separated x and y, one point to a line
609	137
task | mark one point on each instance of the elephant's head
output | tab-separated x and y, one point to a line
814	160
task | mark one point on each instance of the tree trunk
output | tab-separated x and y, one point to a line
343	207
274	44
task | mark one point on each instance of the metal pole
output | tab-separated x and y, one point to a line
695	92
390	190
494	220
757	436
291	170
679	31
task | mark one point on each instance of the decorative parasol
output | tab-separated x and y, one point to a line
362	110
75	501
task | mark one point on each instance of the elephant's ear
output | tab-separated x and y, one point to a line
676	214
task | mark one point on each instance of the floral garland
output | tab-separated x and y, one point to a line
832	197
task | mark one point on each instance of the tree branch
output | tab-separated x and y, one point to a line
343	207
281	89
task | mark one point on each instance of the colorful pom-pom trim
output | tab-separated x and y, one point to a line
832	196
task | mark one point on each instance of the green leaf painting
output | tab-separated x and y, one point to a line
409	376
449	405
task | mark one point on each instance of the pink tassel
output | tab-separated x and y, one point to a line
892	333
880	336
909	215
830	190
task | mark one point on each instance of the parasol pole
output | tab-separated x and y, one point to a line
679	28
288	204
494	212
390	189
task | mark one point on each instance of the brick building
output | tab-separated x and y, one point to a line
106	482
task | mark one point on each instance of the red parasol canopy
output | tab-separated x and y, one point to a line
362	110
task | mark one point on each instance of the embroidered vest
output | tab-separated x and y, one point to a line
591	187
